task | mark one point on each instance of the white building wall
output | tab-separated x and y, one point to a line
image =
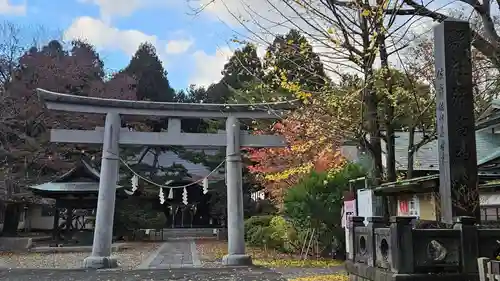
33	219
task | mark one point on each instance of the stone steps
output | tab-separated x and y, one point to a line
181	234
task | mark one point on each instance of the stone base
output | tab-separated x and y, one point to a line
237	260
100	262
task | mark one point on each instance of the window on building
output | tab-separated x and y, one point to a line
490	213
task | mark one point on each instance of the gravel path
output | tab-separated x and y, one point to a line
129	258
199	274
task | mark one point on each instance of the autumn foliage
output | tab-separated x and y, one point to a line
27	156
280	168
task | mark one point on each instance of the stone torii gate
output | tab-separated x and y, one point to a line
113	136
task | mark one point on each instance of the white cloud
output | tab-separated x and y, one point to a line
175	47
110	8
264	19
102	35
268	13
7	8
208	67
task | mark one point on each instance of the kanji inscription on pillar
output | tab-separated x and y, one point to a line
455	121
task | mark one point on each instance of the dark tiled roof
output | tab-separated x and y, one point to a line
426	158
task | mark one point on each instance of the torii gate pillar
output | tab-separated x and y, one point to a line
235	220
110	163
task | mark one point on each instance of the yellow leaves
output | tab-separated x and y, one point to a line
302	147
385	4
211	250
365	13
335	41
287	173
303	96
296	263
326	277
294	88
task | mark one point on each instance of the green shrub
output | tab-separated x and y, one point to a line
271	232
255	229
316	203
258	221
283	234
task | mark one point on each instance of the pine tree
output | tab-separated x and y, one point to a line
151	77
243	68
292	58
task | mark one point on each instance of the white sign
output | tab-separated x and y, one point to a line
365	201
349	210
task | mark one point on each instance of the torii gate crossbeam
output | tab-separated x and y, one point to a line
112	135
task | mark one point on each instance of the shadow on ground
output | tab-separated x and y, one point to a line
181	274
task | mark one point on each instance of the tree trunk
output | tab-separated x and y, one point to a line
370	101
389	202
11	221
411	152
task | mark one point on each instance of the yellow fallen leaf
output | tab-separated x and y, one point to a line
327	277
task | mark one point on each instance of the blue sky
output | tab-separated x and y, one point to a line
193	47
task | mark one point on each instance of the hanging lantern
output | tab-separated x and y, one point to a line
205	185
162	196
185	196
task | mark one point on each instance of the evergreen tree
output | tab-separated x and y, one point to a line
151	77
291	57
86	57
243	68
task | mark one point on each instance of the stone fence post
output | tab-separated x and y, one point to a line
373	223
354	221
469	243
402	244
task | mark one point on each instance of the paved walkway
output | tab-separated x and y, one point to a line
174	254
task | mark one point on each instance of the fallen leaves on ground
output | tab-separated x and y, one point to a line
297	263
129	258
329	277
211	250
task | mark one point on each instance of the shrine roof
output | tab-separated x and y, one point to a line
68	187
83	178
82	101
82	172
430	183
426	157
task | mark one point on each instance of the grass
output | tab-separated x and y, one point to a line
212	251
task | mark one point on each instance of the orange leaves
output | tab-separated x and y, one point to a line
308	148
